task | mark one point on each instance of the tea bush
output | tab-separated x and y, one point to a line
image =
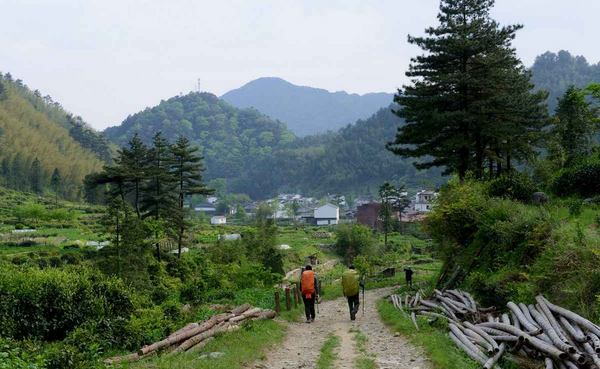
48	304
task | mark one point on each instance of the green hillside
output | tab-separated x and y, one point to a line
40	140
261	157
352	160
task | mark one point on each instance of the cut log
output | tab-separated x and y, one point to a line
122	359
265	314
179	337
201	337
185	329
240	309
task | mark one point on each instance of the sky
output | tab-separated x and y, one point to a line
104	60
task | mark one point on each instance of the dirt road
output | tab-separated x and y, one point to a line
304	341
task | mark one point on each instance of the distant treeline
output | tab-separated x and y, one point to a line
555	72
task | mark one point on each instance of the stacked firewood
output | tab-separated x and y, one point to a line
544	332
197	335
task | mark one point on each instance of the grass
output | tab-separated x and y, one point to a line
239	349
433	339
328	354
364	360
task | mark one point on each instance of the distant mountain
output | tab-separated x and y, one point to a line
555	72
38	138
306	110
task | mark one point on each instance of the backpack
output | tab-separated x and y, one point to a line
351	283
308	283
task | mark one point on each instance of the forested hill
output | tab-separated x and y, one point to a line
261	157
352	160
230	139
555	72
306	110
39	140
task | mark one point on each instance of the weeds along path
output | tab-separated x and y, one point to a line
304	341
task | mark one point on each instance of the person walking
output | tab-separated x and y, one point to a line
351	284
408	272
309	285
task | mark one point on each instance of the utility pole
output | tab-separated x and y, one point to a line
199	84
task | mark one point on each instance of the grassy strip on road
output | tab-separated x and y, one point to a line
328	354
364	359
239	349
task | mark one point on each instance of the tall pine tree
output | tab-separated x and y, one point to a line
187	168
575	127
160	200
133	163
469	92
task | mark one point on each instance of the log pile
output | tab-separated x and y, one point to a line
196	335
550	334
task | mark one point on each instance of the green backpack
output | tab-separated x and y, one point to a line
350	282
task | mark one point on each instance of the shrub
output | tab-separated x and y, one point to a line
581	181
516	186
71	258
354	240
48	304
19	226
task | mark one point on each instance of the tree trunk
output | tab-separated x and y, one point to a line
478	156
491	169
137	197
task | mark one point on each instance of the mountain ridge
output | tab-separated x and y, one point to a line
306	110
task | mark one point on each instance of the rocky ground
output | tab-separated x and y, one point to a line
304	341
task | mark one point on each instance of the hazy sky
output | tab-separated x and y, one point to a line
106	59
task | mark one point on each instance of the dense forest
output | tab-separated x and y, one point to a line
352	160
555	72
260	157
42	146
306	110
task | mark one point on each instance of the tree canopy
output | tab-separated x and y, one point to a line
470	97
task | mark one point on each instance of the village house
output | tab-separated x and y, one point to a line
205	207
327	214
368	215
218	220
423	201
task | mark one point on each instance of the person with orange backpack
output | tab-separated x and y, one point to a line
309	287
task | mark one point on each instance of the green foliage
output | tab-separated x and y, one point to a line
575	127
354	240
555	72
581	180
36	140
14	357
516	186
512	251
48	304
471	97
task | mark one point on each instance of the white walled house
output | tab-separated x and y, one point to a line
218	220
423	201
327	214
